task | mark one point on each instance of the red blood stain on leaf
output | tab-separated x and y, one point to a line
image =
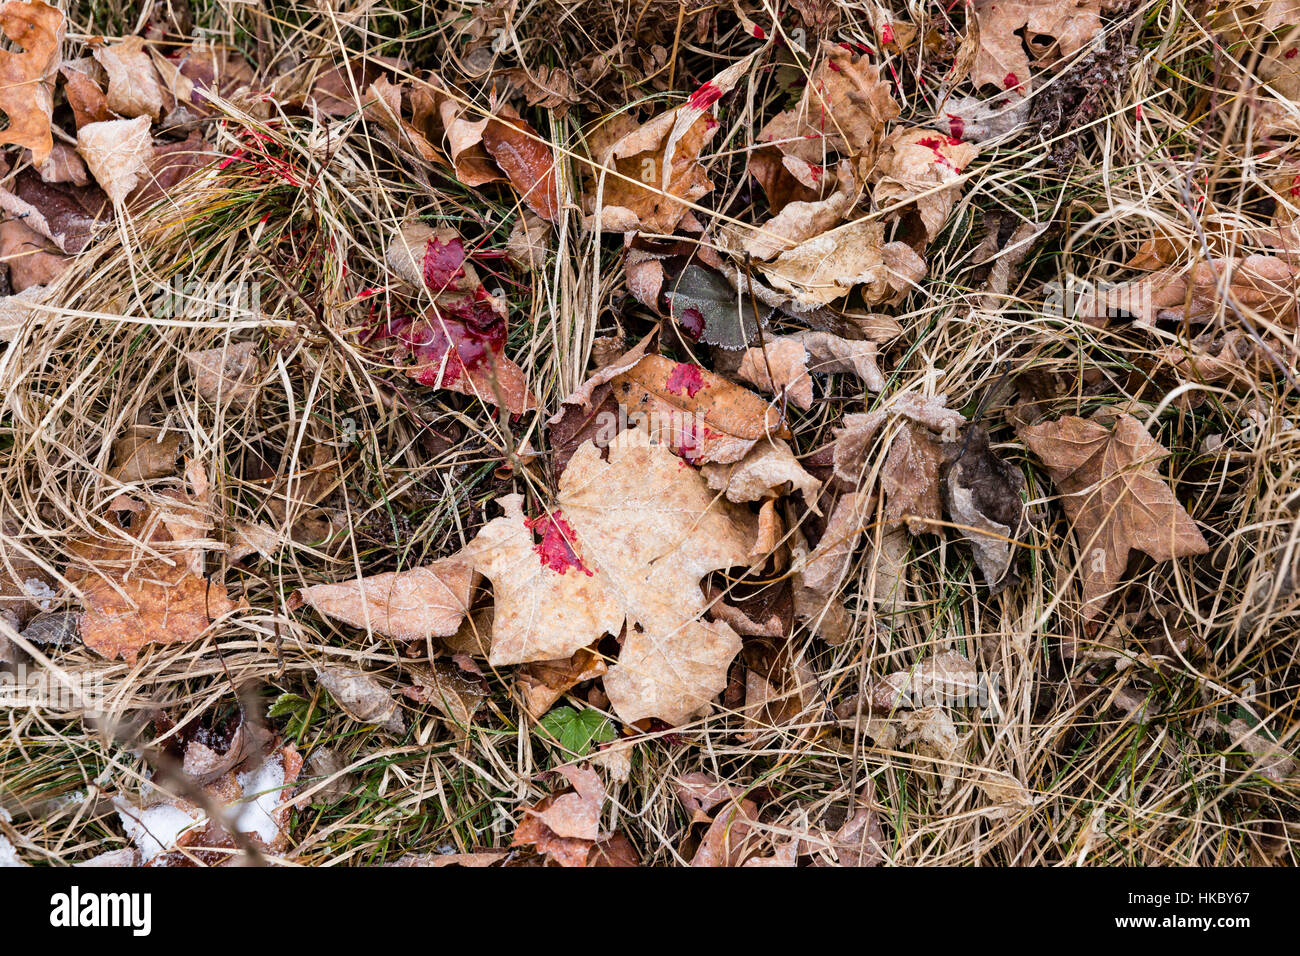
759	33
459	337
704	97
1290	54
443	263
685	380
887	34
1011	81
556	545
692	322
956	126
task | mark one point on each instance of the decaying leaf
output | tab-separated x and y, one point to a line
443	685
853	440
628	540
133	85
779	367
1002	60
984	493
526	159
705	304
117	153
921	166
415	605
227	373
828	267
362	697
1114	497
27	76
30	259
141	580
143	453
565	827
542	683
944	679
699	414
766	471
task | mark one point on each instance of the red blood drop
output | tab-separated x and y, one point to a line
1011	81
887	34
685	379
758	32
556	546
457	338
443	263
691	321
1290	54
956	126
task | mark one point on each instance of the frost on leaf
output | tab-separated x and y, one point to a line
628	540
828	267
1114	497
921	168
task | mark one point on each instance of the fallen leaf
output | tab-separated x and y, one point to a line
443	685
64	214
922	167
699	414
566	825
731	837
779	367
30	258
117	153
526	159
766	471
984	493
1113	496
832	353
975	119
529	242
229	373
63	165
853	440
828	267
910	478
860	841
704	303
85	96
137	591
542	683
627	540
133	87
1002	60
27	77
414	605
931	732
945	679
144	453
362	697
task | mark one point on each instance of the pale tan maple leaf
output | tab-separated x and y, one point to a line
922	167
133	87
628	540
1114	497
1002	60
828	267
117	153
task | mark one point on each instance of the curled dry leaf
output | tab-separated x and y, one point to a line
565	826
628	540
141	585
117	153
456	694
228	373
526	159
985	494
1002	60
362	697
945	679
766	471
855	255
1114	497
143	453
30	259
860	841
27	76
83	93
415	605
63	165
529	242
923	167
65	215
853	440
1258	285
133	86
699	414
779	367
799	220
542	683
831	353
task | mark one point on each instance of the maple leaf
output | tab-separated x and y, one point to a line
133	87
117	153
828	267
565	826
27	77
142	582
628	540
1002	60
1113	496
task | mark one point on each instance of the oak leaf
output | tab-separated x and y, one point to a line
628	540
1114	497
27	77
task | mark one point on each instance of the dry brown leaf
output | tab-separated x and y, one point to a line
945	679
229	373
137	590
362	697
921	166
853	440
799	220
828	267
526	159
469	158
700	414
143	453
732	836
910	478
63	165
831	353
768	470
984	494
542	683
455	693
414	605
565	826
64	214
779	367
27	77
117	153
860	841
84	95
30	259
1002	60
133	87
628	540
1114	497
529	242
1264	286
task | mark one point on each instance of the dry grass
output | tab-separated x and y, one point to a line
1131	747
